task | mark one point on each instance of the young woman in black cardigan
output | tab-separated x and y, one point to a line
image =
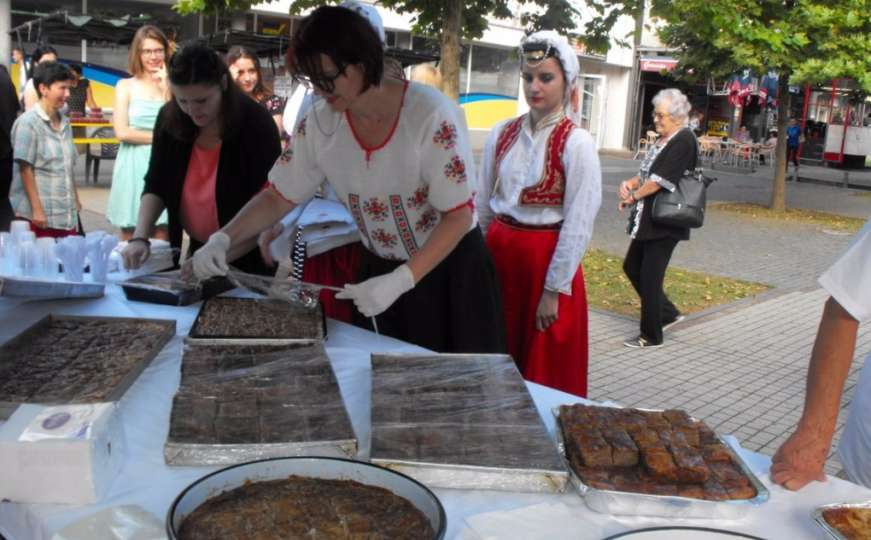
675	151
212	151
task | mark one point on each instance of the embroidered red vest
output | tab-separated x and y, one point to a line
550	189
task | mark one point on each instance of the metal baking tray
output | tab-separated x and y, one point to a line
196	455
288	366
642	504
817	516
540	470
44	289
31	333
230	478
168	288
195	336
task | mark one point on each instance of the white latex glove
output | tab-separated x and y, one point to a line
376	294
211	259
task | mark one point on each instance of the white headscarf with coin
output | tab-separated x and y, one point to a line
565	54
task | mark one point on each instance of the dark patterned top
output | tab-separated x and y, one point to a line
78	96
273	104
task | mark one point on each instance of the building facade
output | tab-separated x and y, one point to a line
489	80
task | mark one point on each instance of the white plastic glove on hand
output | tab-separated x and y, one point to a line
211	259
375	295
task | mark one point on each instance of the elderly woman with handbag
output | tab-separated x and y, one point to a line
675	151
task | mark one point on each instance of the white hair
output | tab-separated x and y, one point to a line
678	105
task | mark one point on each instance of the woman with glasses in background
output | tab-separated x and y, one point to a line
398	156
137	103
213	148
675	151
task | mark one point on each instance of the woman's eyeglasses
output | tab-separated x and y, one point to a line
325	83
152	52
659	116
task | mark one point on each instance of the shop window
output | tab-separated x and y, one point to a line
494	71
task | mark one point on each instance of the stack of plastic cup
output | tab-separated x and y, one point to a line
47	265
5	249
26	253
71	251
11	264
99	245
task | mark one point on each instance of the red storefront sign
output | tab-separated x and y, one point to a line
658	64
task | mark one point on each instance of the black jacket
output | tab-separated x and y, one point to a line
247	155
680	154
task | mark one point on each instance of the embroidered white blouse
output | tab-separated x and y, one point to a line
522	167
396	192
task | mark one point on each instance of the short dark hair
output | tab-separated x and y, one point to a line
75	67
343	35
48	73
41	51
197	63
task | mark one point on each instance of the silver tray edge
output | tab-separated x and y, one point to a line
817	516
735	508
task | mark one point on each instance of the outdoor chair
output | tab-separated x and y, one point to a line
742	155
766	152
642	148
100	151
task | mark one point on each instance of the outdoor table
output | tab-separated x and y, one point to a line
147	481
93	140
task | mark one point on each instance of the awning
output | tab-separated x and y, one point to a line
657	64
67	28
260	44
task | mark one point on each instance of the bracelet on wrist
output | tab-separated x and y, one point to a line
140	239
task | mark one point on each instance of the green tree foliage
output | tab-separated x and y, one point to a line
805	41
449	21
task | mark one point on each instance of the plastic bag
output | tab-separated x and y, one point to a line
128	522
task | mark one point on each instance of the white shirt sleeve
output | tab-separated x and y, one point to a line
583	196
447	166
294	109
296	174
849	279
486	179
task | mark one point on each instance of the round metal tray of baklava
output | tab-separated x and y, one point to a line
236	476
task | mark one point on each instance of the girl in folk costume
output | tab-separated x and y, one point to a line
540	190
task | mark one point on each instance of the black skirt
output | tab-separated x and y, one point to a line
456	308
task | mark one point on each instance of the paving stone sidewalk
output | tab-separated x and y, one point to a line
741	367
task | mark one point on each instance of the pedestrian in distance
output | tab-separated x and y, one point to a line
793	141
674	152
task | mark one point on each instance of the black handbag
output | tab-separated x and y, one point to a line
685	206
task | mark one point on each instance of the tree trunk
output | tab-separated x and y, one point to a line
778	185
450	48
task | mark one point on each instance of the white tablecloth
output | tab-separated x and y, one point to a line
146	481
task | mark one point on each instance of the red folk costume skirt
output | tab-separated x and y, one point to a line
558	356
335	267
